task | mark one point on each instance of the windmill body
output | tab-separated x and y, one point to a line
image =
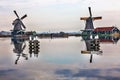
17	25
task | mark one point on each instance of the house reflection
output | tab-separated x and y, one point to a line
109	39
93	45
34	47
20	45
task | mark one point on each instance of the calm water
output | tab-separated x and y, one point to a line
59	59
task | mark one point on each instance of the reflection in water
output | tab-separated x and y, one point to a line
92	47
34	47
93	44
57	51
109	39
20	45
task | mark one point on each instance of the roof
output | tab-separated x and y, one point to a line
104	29
104	40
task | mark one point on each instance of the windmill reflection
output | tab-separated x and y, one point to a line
92	47
20	45
93	44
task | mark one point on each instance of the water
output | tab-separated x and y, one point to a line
59	59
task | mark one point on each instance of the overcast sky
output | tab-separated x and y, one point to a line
58	15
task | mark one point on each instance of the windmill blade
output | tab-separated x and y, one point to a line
91	58
90	11
84	18
97	18
16	61
23	47
23	25
16	14
23	16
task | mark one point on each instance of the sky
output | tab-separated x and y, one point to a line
58	15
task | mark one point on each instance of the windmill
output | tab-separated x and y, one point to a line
19	26
89	20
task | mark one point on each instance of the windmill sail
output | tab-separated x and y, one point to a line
16	14
23	25
24	17
91	56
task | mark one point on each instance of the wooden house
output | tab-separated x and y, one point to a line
107	31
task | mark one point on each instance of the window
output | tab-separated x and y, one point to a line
108	32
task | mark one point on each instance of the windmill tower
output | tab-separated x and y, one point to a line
19	27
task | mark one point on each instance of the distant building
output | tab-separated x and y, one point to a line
5	34
102	33
106	31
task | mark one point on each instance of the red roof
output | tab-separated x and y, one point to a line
104	29
104	40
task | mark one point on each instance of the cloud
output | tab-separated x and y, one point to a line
14	74
89	74
28	3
